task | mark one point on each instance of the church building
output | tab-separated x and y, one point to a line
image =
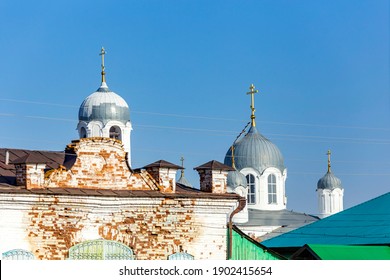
330	193
88	202
260	176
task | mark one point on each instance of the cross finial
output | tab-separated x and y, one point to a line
252	93
329	153
182	165
102	53
233	160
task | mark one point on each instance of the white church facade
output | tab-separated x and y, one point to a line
260	175
330	193
105	114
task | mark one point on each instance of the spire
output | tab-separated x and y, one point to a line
182	180
329	153
182	165
252	93
102	53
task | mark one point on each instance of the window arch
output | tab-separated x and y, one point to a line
101	250
115	132
180	256
272	189
250	179
83	132
17	254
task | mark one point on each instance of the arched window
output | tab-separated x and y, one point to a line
101	250
271	189
180	256
83	132
115	132
250	179
17	254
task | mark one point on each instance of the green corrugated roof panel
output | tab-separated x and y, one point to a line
345	252
365	224
245	248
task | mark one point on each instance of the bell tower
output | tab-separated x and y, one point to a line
105	114
330	193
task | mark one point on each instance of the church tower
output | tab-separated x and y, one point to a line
330	193
105	114
261	163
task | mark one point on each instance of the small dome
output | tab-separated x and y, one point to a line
329	181
256	151
183	180
236	179
104	105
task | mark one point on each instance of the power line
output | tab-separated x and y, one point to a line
204	117
37	102
289	137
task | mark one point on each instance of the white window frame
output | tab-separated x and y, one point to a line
251	181
116	133
272	189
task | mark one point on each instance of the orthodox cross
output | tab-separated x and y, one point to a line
102	53
233	161
182	165
329	153
252	93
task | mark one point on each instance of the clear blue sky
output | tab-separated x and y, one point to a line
322	68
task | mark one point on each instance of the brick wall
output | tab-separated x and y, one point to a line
98	163
154	223
214	181
153	227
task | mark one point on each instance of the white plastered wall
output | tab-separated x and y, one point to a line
98	129
262	188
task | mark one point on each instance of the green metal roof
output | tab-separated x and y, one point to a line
346	252
246	248
365	224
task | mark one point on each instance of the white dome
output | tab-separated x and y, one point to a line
104	105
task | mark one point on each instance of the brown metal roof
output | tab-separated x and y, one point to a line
215	165
182	192
55	159
163	164
7	171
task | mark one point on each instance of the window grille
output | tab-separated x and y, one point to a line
115	132
180	256
17	254
101	250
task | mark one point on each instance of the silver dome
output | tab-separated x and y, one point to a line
236	179
104	105
256	151
329	181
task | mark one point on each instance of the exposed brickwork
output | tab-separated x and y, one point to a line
146	213
153	228
166	178
30	175
214	181
20	174
100	163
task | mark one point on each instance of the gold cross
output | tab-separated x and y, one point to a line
102	53
329	153
252	93
182	165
